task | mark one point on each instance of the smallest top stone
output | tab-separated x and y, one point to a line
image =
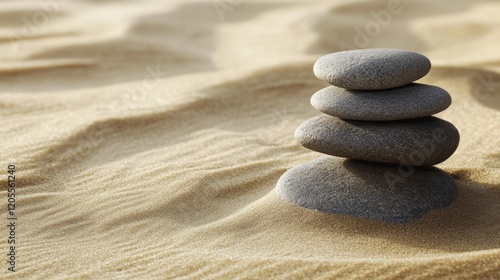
371	69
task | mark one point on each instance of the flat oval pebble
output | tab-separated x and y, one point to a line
366	190
371	69
421	141
406	102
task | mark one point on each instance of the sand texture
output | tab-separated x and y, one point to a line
148	137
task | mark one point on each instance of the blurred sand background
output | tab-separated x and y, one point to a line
148	137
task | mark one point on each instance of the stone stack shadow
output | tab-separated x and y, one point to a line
381	138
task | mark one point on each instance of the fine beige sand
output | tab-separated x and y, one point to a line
148	137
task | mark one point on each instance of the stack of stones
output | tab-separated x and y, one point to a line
381	138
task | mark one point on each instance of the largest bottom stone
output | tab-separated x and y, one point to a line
370	190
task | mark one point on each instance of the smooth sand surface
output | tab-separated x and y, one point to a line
148	137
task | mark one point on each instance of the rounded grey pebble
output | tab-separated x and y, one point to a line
367	190
417	142
371	69
410	101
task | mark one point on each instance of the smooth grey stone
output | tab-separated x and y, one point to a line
371	69
366	189
421	141
410	101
